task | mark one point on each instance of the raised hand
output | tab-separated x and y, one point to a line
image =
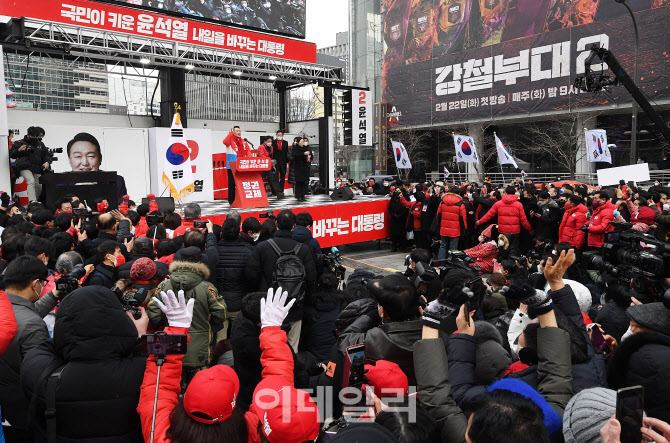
178	312
274	308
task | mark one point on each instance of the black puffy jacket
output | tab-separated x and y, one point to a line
317	335
230	280
99	387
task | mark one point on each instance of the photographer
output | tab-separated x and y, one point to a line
98	375
32	160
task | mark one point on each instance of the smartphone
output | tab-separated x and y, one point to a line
199	224
599	343
353	366
155	219
161	344
629	412
467	312
79	214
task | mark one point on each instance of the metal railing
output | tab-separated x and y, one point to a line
663	176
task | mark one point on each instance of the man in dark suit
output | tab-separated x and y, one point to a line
280	152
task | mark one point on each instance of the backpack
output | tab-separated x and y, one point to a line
289	273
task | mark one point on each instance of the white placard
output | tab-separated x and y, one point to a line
611	176
362	118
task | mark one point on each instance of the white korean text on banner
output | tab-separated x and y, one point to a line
362	118
504	156
596	146
466	151
400	154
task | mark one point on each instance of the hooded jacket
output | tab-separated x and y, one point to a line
510	215
452	216
600	224
209	309
99	386
548	223
644	359
568	231
230	280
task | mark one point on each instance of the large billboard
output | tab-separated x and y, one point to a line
451	60
91	14
282	16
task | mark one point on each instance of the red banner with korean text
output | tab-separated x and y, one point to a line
340	224
89	14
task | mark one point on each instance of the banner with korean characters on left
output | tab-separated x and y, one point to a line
340	223
198	143
90	14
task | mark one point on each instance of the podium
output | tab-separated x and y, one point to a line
85	185
249	188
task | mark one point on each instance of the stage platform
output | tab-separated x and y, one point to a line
336	223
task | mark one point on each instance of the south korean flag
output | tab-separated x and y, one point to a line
596	146
466	151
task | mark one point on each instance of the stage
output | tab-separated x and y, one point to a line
336	223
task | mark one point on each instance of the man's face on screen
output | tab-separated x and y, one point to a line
84	157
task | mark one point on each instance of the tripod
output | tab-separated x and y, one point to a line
159	363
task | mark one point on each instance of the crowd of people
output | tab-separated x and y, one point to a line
499	330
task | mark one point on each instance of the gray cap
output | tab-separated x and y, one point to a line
586	413
652	316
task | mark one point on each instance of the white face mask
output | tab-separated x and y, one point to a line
501	243
481	239
269	144
306	144
256	236
628	333
280	137
38	293
666	207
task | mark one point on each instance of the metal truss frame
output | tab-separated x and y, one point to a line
117	47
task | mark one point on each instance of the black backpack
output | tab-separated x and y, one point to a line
289	273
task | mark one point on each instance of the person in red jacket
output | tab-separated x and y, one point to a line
486	251
266	151
603	213
452	216
236	146
8	326
511	217
573	220
415	208
279	413
192	213
641	214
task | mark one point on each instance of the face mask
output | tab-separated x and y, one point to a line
595	204
256	236
306	144
118	261
628	333
280	137
501	243
38	293
481	239
269	144
617	214
666	207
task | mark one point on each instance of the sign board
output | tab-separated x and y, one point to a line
199	144
362	118
612	176
380	137
90	14
454	60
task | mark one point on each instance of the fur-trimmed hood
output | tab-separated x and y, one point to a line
186	275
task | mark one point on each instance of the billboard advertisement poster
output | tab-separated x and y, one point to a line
455	60
283	17
110	17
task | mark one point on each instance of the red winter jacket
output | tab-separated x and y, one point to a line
600	224
142	228
415	207
181	230
510	215
8	326
573	219
643	214
451	213
276	359
484	253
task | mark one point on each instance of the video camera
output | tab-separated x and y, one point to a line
455	260
633	256
425	275
270	215
69	281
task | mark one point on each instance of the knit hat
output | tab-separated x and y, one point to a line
143	269
210	397
552	421
386	379
652	316
287	414
586	413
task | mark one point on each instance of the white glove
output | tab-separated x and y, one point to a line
179	313
274	309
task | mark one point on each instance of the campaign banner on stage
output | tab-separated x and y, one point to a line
466	151
340	224
193	149
90	14
596	146
455	60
